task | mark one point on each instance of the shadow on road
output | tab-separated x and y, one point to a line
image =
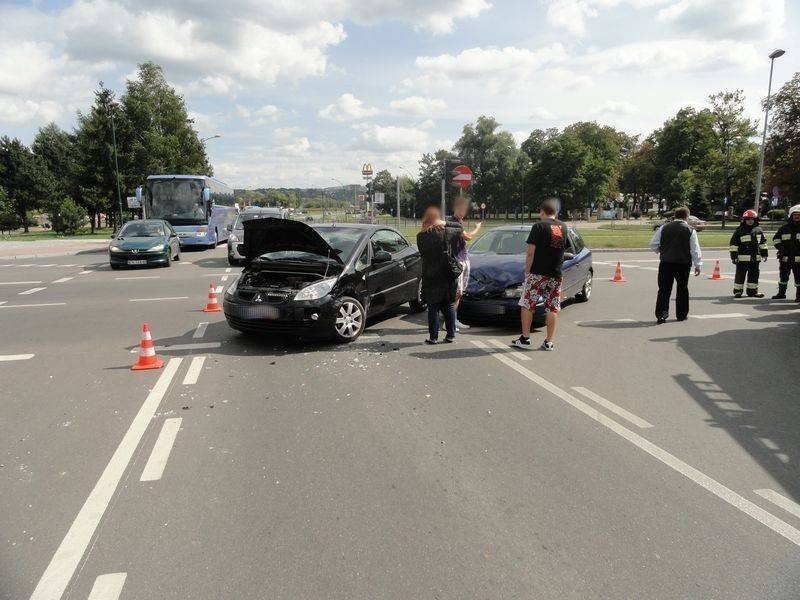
751	390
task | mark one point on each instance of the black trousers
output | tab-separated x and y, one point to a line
785	270
669	273
748	271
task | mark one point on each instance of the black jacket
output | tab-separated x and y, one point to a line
437	284
787	242
748	244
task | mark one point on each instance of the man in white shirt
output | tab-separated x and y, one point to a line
677	245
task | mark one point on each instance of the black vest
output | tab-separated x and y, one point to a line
675	248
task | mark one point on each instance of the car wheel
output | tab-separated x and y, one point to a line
586	290
115	267
169	260
213	244
417	305
177	254
350	320
232	261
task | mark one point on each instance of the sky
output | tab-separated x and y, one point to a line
303	93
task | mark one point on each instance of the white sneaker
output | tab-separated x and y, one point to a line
460	326
547	346
524	343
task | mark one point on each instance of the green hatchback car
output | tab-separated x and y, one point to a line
144	243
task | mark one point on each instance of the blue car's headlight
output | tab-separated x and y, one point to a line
318	290
157	248
115	249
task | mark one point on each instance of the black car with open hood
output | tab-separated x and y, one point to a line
321	280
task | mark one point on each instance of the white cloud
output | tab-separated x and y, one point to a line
540	113
346	108
13	110
395	139
297	147
418	105
615	107
573	14
732	19
673	56
477	63
269	113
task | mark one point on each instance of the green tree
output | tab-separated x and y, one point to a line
429	185
783	147
67	217
24	177
8	218
637	176
56	150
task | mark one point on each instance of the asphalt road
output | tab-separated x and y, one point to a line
635	461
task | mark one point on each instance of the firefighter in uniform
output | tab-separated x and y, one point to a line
748	248
787	242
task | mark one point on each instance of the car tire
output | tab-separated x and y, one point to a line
417	305
232	261
349	320
586	290
177	255
169	260
115	267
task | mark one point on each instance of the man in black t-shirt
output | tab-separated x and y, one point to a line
543	262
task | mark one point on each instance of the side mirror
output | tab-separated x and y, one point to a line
568	256
112	236
228	227
206	195
380	257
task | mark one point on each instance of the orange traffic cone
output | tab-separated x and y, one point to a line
213	305
618	278
147	352
717	274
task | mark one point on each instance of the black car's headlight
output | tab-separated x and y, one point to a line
318	290
230	292
515	291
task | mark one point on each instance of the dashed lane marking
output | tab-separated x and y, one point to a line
154	468
4	305
31	291
611	407
19	282
63	279
108	586
10	357
720	316
158	299
197	346
604	321
139	277
86	272
228	270
721	491
200	331
193	374
219	289
62	566
224	278
518	354
780	500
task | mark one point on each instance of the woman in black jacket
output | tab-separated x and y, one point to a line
436	243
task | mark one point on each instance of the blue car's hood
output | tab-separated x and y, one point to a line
495	272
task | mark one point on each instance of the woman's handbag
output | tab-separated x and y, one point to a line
452	266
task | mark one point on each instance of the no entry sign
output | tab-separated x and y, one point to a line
462	176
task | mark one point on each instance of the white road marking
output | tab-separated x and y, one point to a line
108	586
70	265
154	468
19	282
185	263
780	500
10	357
224	278
724	493
193	374
85	272
3	302
611	407
200	331
49	265
518	354
62	566
600	321
198	346
219	289
62	280
139	277
228	270
31	291
156	299
720	316
32	305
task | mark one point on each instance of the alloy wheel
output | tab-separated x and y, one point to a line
349	320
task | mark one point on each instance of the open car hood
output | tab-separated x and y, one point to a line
282	235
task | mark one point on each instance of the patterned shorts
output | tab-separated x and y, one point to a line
544	286
463	279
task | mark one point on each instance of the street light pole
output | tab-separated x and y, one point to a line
776	54
211	137
111	108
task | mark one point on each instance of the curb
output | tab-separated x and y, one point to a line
601	250
51	254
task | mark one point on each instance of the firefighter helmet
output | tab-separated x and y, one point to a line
794	209
749	214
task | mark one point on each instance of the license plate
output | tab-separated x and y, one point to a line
137	262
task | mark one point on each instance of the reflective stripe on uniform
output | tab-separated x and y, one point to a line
786	237
733	249
744	258
784	283
738	287
752	286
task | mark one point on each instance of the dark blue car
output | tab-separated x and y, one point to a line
497	259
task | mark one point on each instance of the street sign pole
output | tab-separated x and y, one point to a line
398	202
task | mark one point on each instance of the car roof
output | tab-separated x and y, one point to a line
159	221
364	226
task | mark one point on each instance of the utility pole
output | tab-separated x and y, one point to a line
776	54
398	202
111	107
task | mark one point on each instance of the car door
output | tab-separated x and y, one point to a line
384	280
174	242
576	269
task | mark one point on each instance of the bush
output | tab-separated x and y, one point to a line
652	214
636	215
68	217
776	214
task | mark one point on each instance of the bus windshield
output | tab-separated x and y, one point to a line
179	201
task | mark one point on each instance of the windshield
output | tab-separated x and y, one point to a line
141	229
178	201
255	214
501	242
342	239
